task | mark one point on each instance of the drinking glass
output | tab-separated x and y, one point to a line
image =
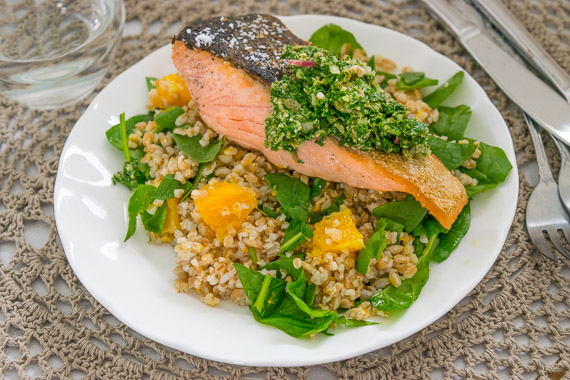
53	53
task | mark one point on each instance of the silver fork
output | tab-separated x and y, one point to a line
564	174
545	213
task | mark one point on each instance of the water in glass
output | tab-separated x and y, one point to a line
54	53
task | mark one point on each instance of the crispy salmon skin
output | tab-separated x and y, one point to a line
232	90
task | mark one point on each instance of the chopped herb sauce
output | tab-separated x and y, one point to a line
325	95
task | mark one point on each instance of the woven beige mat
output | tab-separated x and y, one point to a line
515	324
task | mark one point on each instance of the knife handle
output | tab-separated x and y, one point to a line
525	43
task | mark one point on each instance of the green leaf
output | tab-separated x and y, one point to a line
450	240
451	154
297	290
354	322
196	152
266	211
141	198
335	205
195	182
278	309
407	212
442	92
318	187
472	190
168	185
113	134
410	80
264	292
331	37
133	174
452	122
391	225
154	222
166	120
392	298
286	265
314	218
149	81
493	162
292	194
253	255
298	232
373	248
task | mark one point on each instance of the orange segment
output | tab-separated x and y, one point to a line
336	233
170	91
224	205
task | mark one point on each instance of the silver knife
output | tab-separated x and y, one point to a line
502	18
530	93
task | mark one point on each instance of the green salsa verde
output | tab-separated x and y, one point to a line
325	95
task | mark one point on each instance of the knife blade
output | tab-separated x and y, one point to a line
525	43
524	88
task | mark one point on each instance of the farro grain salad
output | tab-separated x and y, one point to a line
313	183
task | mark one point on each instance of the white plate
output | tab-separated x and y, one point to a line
134	280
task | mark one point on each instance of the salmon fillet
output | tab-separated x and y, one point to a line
236	104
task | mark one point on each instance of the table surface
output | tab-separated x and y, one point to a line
515	324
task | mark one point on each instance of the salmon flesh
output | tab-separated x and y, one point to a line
229	63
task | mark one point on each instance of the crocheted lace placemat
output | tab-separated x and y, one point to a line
514	324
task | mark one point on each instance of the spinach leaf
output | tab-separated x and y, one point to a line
407	212
195	182
264	292
297	290
452	122
373	248
166	120
292	194
291	320
196	152
168	185
141	198
433	227
134	172
493	162
314	218
318	187
442	92
278	308
114	133
266	211
331	37
451	154
335	205
297	233
472	190
286	265
354	322
387	77
392	298
149	81
450	240
391	226
270	295
414	79
154	222
252	254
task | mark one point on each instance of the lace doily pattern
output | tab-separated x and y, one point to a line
515	324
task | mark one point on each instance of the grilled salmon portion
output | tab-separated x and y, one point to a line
235	104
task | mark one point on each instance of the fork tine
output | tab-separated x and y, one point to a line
555	238
540	244
566	232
